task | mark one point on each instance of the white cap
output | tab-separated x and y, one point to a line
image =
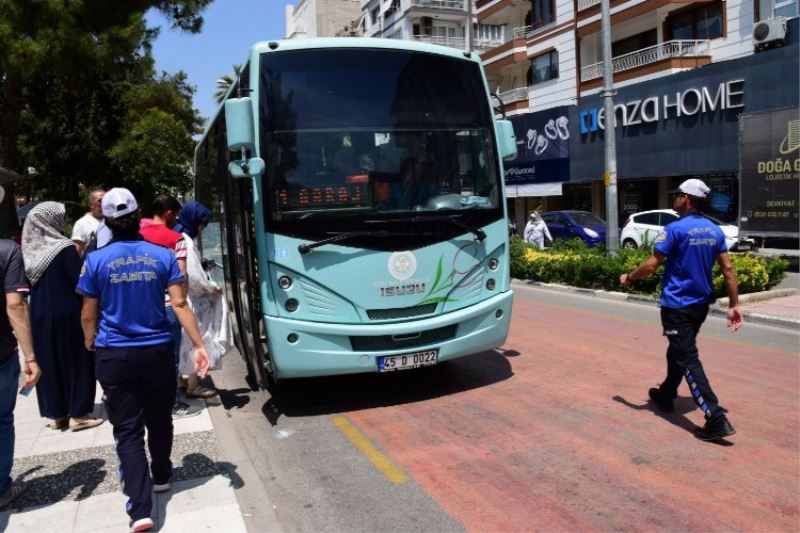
118	202
693	187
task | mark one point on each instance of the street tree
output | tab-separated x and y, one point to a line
47	46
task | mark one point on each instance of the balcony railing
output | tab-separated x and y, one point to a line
586	4
532	31
482	44
452	42
514	95
441	4
647	56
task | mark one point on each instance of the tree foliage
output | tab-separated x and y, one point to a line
224	83
80	100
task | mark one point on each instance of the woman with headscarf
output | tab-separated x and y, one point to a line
205	299
536	230
67	389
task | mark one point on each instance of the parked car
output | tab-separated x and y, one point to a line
566	225
645	227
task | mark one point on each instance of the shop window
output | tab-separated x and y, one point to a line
635	43
544	13
544	67
702	22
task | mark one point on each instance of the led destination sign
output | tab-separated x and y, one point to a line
339	196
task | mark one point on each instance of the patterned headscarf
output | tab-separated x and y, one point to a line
43	238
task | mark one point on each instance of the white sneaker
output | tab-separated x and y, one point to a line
143	524
184	410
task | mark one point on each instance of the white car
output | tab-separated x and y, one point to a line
645	227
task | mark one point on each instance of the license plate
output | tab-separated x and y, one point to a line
391	363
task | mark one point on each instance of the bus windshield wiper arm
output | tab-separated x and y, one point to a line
480	235
305	248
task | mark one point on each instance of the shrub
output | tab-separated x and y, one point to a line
574	263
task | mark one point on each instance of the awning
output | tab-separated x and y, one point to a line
534	189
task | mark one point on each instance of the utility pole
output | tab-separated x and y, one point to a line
610	175
468	28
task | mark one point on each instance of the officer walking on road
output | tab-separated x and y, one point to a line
123	285
690	246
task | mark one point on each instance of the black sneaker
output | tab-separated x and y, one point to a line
715	429
663	403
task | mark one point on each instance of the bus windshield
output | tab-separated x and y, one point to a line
352	133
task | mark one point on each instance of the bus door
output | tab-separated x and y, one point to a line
245	278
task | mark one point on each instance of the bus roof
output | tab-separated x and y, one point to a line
358	42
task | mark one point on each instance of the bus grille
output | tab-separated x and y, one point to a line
400	342
400	312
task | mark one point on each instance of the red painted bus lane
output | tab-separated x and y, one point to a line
568	441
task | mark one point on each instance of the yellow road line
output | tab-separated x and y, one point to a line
381	462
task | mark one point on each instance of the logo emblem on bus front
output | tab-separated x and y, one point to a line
402	265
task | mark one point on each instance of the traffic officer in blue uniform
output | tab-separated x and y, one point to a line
690	246
123	286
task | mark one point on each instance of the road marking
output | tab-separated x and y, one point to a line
381	462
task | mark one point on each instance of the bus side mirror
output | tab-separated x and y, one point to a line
240	134
506	140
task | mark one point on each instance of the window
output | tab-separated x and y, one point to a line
783	8
544	67
544	13
702	22
668	218
375	14
634	43
647	218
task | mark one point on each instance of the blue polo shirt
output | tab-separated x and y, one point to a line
691	245
129	278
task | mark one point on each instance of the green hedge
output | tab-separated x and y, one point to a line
575	264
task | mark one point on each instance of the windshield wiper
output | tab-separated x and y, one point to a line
455	220
305	248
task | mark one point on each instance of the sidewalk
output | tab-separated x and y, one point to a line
73	482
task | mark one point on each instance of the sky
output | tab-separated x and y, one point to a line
230	28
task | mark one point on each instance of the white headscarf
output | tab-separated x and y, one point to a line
43	238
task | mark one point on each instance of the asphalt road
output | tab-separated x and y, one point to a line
550	432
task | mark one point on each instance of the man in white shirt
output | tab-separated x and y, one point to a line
86	226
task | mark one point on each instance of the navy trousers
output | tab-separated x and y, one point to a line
140	387
681	327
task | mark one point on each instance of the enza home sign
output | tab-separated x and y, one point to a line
728	95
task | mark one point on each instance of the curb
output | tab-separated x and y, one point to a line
716	308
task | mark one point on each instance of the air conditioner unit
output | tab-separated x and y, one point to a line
769	32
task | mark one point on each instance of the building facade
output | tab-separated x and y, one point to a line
321	18
548	67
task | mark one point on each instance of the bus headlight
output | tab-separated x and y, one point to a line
291	305
284	282
493	263
490	284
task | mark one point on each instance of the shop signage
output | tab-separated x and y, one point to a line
542	147
770	172
727	95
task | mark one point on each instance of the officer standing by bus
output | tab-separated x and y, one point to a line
690	247
123	286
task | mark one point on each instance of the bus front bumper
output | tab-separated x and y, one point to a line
323	349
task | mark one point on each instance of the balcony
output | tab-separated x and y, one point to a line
482	45
440	4
586	4
520	94
670	50
452	42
